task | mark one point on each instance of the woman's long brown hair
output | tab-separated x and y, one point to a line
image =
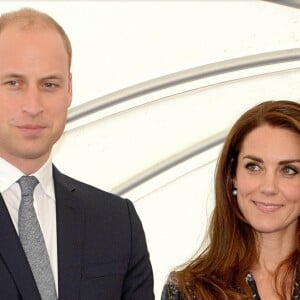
219	271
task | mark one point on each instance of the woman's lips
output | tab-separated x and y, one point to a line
267	207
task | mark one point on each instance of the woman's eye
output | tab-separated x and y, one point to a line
252	167
289	170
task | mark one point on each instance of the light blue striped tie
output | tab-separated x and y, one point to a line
32	240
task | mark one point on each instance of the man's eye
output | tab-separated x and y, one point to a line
12	83
49	84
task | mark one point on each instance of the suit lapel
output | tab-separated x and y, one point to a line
14	257
69	237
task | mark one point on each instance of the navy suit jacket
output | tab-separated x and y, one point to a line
102	252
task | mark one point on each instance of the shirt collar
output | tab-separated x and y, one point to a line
10	174
44	176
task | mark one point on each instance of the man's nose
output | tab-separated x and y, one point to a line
32	103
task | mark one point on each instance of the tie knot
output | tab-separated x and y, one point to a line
27	185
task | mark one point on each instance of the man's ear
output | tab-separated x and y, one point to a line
70	89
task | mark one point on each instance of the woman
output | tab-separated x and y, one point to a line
254	243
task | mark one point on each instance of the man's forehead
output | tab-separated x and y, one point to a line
23	26
44	34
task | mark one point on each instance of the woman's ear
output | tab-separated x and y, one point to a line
234	182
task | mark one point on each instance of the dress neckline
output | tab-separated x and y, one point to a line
251	282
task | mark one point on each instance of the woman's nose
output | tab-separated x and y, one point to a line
269	183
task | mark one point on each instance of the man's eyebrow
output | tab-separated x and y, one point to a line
46	77
53	76
12	75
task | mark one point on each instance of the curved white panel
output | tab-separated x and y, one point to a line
143	136
180	82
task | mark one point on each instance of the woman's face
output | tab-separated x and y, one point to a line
268	179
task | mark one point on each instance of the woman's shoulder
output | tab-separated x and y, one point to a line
171	291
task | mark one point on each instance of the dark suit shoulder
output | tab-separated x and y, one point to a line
115	256
90	195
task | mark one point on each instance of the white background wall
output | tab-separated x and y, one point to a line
121	43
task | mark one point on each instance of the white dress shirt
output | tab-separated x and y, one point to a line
44	204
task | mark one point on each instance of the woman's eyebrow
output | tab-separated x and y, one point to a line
252	157
289	161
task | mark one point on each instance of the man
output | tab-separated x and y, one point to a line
92	242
